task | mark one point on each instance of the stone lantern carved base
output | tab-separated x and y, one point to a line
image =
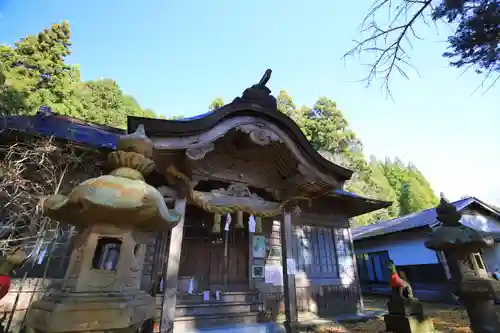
477	295
98	311
482	315
407	316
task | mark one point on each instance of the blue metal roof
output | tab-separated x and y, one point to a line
345	193
406	222
194	117
411	221
61	127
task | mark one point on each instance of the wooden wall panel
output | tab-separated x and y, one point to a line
326	281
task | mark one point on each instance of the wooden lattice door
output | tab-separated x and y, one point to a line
203	255
234	273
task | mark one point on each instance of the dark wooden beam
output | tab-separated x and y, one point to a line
289	290
361	305
171	276
291	187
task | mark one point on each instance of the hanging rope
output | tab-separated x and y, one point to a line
198	199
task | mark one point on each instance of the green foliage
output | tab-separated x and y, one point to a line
475	42
217	103
328	131
412	189
285	104
33	73
176	117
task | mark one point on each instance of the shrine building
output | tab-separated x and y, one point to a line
266	226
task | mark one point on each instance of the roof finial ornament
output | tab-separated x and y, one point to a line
265	78
259	94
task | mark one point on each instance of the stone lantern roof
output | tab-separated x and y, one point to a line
453	236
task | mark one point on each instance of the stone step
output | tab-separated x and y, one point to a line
234	308
241	328
224	297
222	308
216	323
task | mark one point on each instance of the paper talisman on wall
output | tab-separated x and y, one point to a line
259	246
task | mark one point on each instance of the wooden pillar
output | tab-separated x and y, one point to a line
361	306
156	274
171	276
289	289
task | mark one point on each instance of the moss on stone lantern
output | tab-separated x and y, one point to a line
461	246
113	213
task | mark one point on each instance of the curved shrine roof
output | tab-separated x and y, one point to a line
256	102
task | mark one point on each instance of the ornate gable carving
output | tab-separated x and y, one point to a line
236	190
259	134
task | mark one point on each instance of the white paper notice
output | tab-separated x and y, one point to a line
273	274
41	256
191	286
291	267
251	224
206	295
228	222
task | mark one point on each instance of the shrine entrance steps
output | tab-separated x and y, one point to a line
233	308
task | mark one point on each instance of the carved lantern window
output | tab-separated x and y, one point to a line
107	253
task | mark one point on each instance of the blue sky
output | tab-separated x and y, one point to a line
175	56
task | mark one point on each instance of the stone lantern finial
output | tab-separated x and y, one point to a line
132	158
136	142
448	213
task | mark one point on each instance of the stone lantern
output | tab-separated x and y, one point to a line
113	214
461	246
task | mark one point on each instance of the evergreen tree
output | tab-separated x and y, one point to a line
33	73
217	103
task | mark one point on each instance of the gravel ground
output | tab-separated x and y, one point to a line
447	319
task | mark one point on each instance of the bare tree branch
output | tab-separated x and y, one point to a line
29	172
391	56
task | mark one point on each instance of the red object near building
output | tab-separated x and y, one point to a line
395	281
4	285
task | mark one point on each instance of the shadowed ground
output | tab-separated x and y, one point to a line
447	319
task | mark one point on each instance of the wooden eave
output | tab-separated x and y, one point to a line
342	203
256	109
161	128
73	131
171	128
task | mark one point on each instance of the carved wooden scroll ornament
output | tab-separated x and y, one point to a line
259	134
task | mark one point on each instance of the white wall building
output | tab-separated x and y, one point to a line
402	240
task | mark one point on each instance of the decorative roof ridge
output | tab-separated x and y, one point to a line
255	101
